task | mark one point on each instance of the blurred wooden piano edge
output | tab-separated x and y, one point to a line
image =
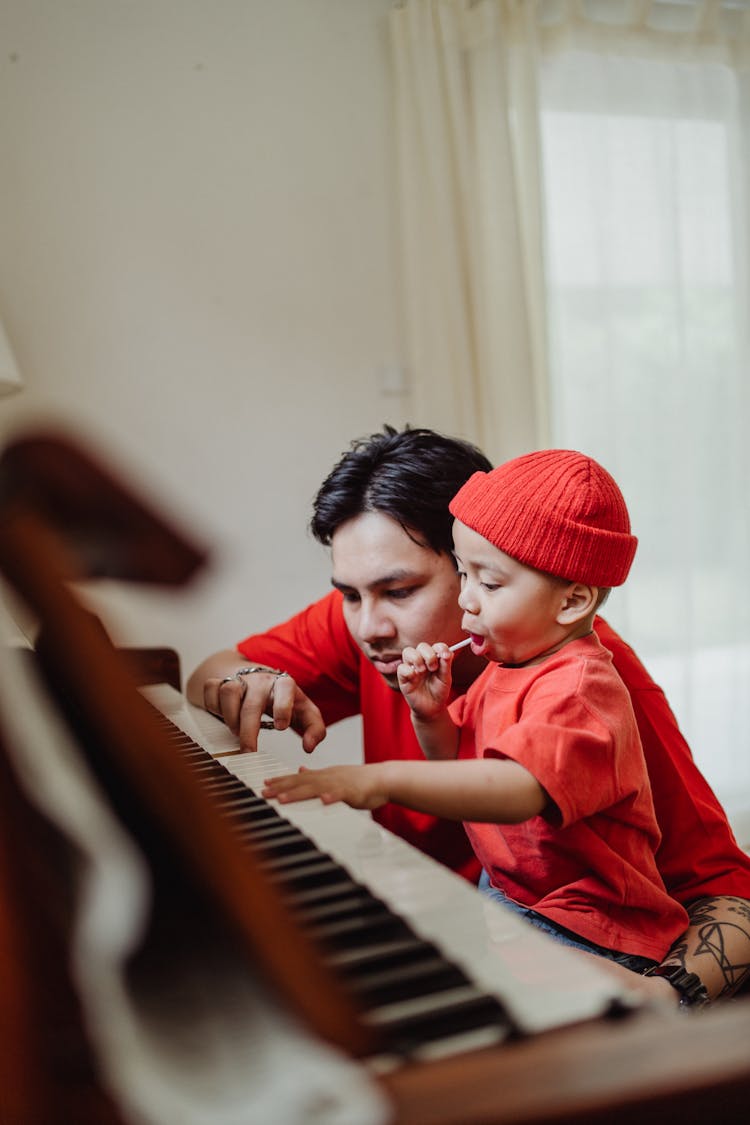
153	665
651	1067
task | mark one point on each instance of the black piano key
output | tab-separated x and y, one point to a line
265	830
323	873
307	898
198	762
287	863
431	975
406	1026
375	924
290	845
370	956
355	898
226	786
247	813
243	799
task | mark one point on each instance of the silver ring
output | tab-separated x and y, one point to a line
228	679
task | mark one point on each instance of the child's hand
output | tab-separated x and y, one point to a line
358	786
424	677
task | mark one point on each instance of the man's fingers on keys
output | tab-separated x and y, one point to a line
281	699
230	693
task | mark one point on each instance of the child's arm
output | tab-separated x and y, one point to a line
424	677
494	790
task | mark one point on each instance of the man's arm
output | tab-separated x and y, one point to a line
215	667
716	946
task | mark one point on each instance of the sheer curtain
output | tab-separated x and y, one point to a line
467	127
629	164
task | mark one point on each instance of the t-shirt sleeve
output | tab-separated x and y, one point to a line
570	725
576	762
317	650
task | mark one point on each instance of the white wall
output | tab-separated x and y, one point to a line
198	270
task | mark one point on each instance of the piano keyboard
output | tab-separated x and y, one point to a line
435	966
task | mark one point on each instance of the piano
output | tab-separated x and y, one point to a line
458	1012
440	967
488	1020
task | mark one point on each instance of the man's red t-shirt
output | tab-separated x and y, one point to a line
698	855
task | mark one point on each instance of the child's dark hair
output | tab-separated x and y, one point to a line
409	475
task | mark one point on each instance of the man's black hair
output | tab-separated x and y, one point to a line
410	475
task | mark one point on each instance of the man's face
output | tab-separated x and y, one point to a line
396	593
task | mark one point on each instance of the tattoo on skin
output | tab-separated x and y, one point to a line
711	938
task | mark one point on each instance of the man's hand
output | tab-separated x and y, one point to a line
243	699
361	787
654	989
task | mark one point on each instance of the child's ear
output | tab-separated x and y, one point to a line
577	602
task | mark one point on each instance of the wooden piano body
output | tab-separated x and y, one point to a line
563	1045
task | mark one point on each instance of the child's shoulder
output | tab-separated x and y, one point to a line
579	667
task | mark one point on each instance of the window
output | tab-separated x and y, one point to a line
646	267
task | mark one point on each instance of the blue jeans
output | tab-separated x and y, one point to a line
560	933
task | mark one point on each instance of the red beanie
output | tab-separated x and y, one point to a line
556	510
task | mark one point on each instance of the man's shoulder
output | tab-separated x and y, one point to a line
311	642
624	658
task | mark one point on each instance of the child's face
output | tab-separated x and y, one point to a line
510	609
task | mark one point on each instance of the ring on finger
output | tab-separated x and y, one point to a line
278	676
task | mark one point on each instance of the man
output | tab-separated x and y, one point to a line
383	510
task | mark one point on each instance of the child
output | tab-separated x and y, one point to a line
541	758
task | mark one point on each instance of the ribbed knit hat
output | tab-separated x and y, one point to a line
556	510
